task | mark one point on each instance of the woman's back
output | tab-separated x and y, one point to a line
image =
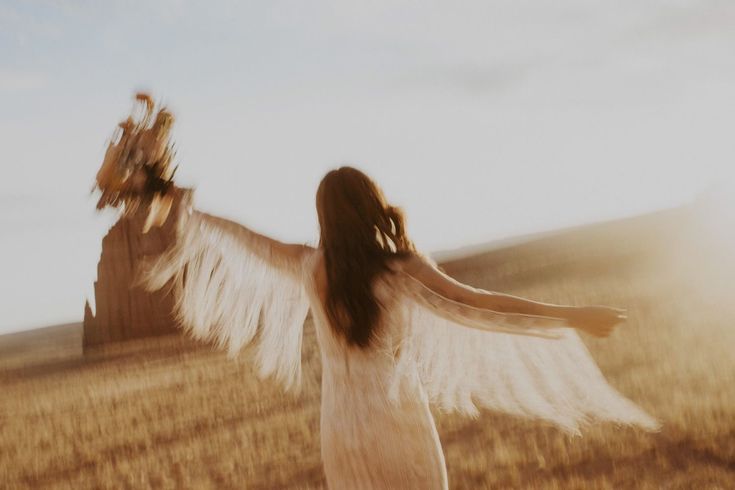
368	435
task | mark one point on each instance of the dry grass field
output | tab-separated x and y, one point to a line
169	413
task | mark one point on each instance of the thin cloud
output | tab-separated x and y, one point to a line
22	81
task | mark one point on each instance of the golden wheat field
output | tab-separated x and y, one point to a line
170	413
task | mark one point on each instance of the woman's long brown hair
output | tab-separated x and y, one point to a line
359	234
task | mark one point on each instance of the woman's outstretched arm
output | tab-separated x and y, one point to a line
596	320
266	248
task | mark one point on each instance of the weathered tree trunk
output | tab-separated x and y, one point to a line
125	311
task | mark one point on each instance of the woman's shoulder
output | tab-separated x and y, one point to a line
411	262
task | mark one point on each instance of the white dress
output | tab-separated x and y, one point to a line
371	438
233	286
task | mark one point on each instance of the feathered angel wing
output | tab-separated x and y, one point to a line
233	286
467	357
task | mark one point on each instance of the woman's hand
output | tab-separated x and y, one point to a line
596	320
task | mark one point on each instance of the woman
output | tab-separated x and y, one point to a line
395	332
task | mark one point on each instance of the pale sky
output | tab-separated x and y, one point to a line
482	119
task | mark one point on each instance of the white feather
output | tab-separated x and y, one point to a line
231	290
466	358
